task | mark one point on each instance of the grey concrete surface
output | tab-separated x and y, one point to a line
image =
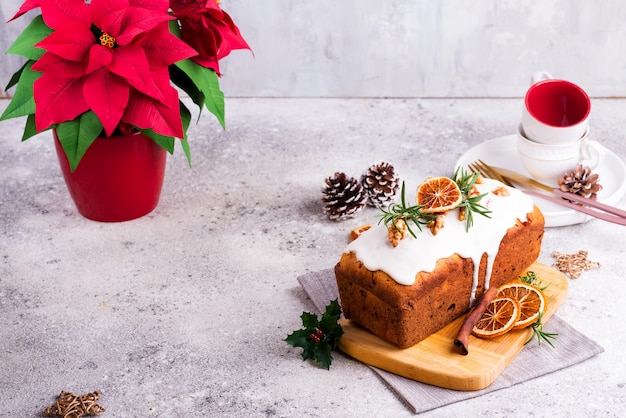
184	312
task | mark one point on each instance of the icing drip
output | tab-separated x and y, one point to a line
411	256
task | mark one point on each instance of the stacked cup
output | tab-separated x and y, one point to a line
553	136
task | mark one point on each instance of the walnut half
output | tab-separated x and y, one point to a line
436	224
397	231
501	191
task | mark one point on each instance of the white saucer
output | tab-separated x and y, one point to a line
503	152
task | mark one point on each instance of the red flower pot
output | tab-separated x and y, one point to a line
118	178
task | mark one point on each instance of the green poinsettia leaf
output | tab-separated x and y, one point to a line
23	102
214	97
15	78
181	79
185	115
174	28
207	82
24	45
30	129
77	135
185	144
167	142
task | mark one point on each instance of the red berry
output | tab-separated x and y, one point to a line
126	128
319	332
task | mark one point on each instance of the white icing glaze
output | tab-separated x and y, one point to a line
412	255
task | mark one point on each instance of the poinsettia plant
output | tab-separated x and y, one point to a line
108	67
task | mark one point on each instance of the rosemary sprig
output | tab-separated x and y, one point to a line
397	211
532	279
538	332
471	205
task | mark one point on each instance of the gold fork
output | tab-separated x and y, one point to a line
510	175
480	167
571	200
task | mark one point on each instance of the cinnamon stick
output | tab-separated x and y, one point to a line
462	338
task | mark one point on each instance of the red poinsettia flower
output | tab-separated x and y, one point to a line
26	6
95	65
111	57
208	29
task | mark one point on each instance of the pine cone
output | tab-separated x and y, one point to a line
381	183
343	196
581	181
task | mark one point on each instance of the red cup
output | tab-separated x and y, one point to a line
555	112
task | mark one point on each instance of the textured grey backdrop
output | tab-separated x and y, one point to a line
413	48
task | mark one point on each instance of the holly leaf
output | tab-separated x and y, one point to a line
322	354
309	320
318	338
332	314
330	325
300	338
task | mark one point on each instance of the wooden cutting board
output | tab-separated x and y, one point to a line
437	361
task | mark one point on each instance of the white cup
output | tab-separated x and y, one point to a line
555	111
551	162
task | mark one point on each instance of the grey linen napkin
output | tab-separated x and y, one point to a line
572	348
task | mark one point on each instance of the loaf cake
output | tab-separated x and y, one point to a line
407	292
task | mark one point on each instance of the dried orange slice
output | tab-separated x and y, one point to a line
499	318
438	194
531	299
